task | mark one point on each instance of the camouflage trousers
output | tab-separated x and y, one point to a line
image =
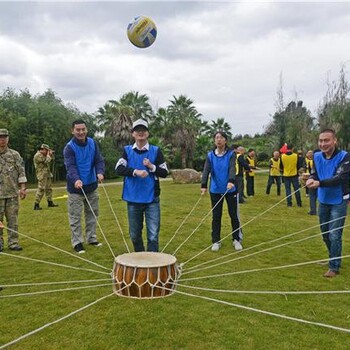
9	209
44	188
76	204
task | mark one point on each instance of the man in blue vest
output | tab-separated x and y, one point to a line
85	166
330	176
142	165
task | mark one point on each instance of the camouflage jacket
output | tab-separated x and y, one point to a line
12	173
42	165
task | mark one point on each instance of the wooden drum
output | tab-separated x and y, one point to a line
145	275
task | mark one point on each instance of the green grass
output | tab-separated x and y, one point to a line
178	321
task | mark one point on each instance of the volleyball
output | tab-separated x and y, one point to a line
142	31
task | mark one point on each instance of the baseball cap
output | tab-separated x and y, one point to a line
45	146
139	122
4	132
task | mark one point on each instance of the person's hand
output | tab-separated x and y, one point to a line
2	225
313	184
203	191
141	173
100	177
78	184
22	193
230	185
147	163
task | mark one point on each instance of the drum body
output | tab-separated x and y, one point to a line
145	275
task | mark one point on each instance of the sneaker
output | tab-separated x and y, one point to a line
96	244
16	248
79	248
237	244
216	246
331	273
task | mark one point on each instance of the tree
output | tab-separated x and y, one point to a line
184	127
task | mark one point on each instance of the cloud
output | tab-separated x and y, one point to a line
226	56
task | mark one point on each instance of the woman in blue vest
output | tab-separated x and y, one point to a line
141	165
221	165
330	176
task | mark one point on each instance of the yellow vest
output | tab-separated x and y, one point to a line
290	164
275	170
309	165
251	162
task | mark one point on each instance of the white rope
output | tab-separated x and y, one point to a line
97	222
52	263
260	244
222	197
248	222
115	217
182	223
260	251
53	291
53	322
267	312
279	292
59	249
52	283
264	269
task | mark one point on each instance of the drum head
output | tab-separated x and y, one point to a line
145	259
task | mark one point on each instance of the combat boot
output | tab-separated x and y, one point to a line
51	204
36	206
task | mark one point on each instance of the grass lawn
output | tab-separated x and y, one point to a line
197	319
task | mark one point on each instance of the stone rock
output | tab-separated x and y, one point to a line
186	176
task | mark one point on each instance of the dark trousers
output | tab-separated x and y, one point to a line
313	201
239	182
231	200
250	185
271	181
288	182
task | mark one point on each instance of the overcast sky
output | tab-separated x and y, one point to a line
225	56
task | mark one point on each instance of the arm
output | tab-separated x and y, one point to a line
99	163
122	168
70	164
232	171
205	174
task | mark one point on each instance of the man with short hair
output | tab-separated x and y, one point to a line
85	166
142	164
330	176
251	159
274	173
12	177
290	165
42	163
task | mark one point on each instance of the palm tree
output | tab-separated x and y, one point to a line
139	104
184	127
219	125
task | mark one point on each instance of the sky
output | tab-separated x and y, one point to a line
229	58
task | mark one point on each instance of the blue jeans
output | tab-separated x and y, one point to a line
333	231
136	214
288	182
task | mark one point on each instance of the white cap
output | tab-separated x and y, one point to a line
139	122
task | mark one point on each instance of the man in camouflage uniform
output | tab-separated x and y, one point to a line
12	177
42	163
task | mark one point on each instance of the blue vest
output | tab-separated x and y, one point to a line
327	168
137	189
219	173
85	160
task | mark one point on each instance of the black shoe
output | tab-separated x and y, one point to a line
79	248
37	207
51	204
1	246
289	205
16	248
96	244
299	205
311	213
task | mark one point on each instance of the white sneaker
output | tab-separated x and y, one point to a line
216	246
237	244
